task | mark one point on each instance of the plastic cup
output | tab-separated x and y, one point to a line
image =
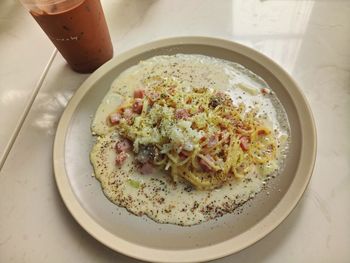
77	28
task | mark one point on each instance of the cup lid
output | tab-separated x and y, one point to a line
50	6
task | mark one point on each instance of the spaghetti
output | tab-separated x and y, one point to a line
198	134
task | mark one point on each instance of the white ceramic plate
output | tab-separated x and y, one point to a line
143	238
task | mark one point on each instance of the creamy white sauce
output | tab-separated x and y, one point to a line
157	197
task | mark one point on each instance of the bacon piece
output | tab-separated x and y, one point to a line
122	146
184	154
114	118
181	114
121	157
265	91
202	139
205	166
262	132
139	93
244	143
137	106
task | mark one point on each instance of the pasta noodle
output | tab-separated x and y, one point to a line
199	134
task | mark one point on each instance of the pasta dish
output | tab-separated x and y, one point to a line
196	134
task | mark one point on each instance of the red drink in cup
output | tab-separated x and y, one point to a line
77	28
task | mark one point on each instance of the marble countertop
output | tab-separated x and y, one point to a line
309	39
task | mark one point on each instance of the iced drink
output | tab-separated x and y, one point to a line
79	32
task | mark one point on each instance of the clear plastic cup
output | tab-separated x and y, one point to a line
77	28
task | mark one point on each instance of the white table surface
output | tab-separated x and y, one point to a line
309	39
24	53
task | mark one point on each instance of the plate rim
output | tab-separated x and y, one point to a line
261	229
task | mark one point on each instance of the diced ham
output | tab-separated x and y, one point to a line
184	154
137	106
205	166
181	114
265	91
122	146
146	168
202	139
114	118
244	143
139	93
204	163
262	132
121	157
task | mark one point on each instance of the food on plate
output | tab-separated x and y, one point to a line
187	138
197	134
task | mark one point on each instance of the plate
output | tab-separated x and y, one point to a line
143	238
